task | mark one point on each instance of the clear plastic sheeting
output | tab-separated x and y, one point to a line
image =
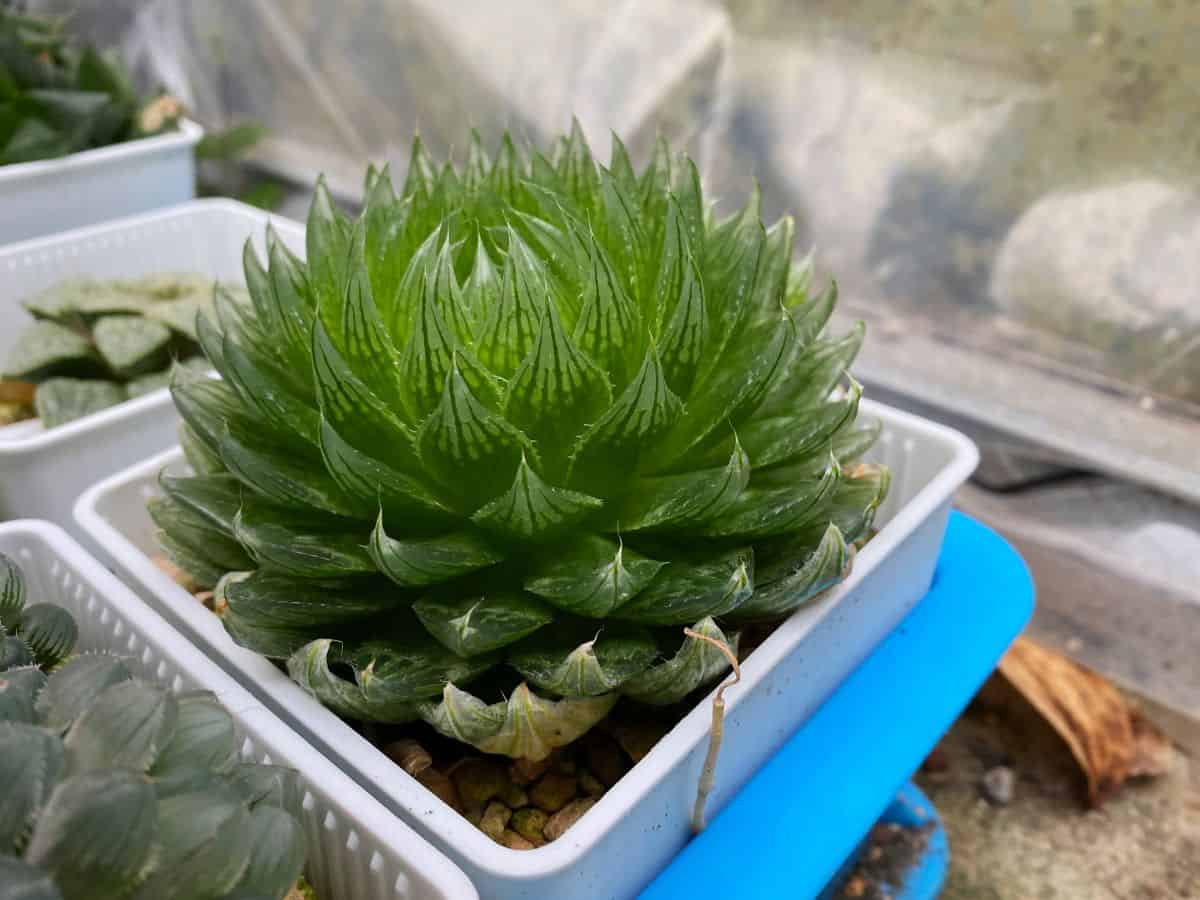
1006	189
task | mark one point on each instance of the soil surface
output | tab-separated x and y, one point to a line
1044	844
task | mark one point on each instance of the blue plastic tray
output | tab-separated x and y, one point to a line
789	831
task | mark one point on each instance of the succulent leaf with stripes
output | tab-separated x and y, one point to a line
487	452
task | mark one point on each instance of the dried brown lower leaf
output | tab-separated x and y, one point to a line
14	391
1108	739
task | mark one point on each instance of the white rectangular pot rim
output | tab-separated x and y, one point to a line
671	751
186	134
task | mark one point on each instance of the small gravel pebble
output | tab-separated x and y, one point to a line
566	817
529	823
495	820
553	792
999	783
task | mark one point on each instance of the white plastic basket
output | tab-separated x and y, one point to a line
618	846
357	849
50	195
42	472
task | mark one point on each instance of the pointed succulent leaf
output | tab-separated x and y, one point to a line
609	328
625	240
683	593
673	262
266	390
75	687
862	489
512	328
76	841
731	259
282	476
760	513
532	509
31	763
685	334
198	535
351	408
420	562
12	591
62	400
432	352
556	389
773	264
469	624
778	440
131	345
464	445
126	728
50	632
20	880
566	663
366	345
206	405
695	664
328	238
270	640
525	726
828	564
216	498
305	545
270	599
294	311
644	411
729	393
592	576
812	375
390	676
811	315
372	483
201	571
19	689
676	502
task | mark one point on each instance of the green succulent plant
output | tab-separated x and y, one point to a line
485	454
94	343
112	787
57	97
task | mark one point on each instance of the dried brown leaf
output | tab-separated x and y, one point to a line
1084	708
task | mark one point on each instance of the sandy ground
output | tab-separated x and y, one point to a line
1045	845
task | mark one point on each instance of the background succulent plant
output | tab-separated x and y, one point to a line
516	427
58	98
97	343
111	787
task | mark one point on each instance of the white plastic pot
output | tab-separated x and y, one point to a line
357	849
42	472
50	195
618	846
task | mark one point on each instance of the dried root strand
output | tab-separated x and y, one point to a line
708	775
